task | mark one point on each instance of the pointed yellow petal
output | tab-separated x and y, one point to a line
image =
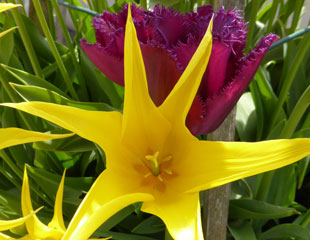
100	127
179	101
181	214
7	6
35	228
14	136
106	197
7	31
139	110
216	163
58	221
9	224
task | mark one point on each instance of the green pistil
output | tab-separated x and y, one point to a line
154	163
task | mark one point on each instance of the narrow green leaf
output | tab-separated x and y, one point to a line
253	209
29	79
242	231
286	231
32	93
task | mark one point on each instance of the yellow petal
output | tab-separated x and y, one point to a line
108	195
179	101
14	136
7	31
58	221
9	224
216	163
7	6
35	228
139	110
180	213
102	128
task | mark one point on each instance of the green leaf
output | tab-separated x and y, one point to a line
6	42
117	218
241	188
11	200
246	118
40	43
32	93
29	79
242	231
253	209
96	89
72	144
283	195
150	225
276	131
286	231
121	236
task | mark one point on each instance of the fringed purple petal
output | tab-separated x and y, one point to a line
168	27
161	71
168	40
219	106
183	52
111	66
215	75
196	115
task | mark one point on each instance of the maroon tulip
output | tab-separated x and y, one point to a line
168	40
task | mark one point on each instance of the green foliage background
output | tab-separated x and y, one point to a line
34	66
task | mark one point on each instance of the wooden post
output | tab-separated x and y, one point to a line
216	200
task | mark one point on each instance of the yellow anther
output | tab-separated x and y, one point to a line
166	159
160	178
148	174
168	171
154	165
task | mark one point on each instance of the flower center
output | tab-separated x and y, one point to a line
155	165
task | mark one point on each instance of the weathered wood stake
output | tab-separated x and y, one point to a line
216	200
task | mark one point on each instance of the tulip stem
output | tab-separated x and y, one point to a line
55	52
71	48
26	40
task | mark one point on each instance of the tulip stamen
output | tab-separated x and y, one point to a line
153	165
168	171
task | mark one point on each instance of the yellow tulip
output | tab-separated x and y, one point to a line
14	136
36	229
151	155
